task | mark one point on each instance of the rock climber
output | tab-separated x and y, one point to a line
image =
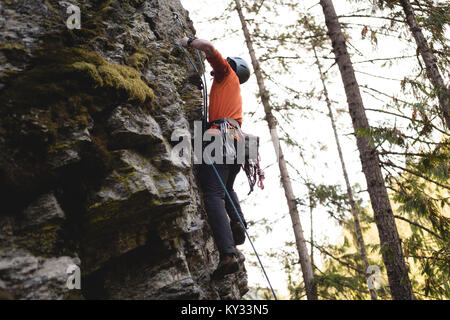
225	103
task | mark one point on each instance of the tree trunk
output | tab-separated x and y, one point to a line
355	212
305	261
430	61
391	248
311	249
311	208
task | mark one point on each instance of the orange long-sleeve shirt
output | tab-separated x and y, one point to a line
225	100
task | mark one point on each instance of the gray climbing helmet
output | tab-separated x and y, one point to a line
240	67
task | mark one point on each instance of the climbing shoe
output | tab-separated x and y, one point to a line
227	265
238	233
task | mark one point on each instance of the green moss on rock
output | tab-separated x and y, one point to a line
138	60
12	47
44	241
61	74
125	79
90	71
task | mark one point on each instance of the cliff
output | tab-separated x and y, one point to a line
86	176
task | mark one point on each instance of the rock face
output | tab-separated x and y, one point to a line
86	172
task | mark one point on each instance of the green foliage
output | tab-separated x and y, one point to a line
332	197
427	205
380	135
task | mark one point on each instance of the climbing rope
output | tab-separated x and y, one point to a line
205	101
201	72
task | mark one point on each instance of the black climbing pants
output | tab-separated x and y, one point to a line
217	204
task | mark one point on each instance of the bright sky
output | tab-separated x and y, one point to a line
312	132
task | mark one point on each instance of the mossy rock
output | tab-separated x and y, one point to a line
65	89
137	60
61	74
12	50
44	241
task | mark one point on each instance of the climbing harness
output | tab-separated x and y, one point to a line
231	131
225	125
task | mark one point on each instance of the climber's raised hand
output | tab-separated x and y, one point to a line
184	42
199	44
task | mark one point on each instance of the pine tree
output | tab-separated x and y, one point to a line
400	285
432	70
305	260
354	209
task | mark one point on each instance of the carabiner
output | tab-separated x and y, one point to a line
176	16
